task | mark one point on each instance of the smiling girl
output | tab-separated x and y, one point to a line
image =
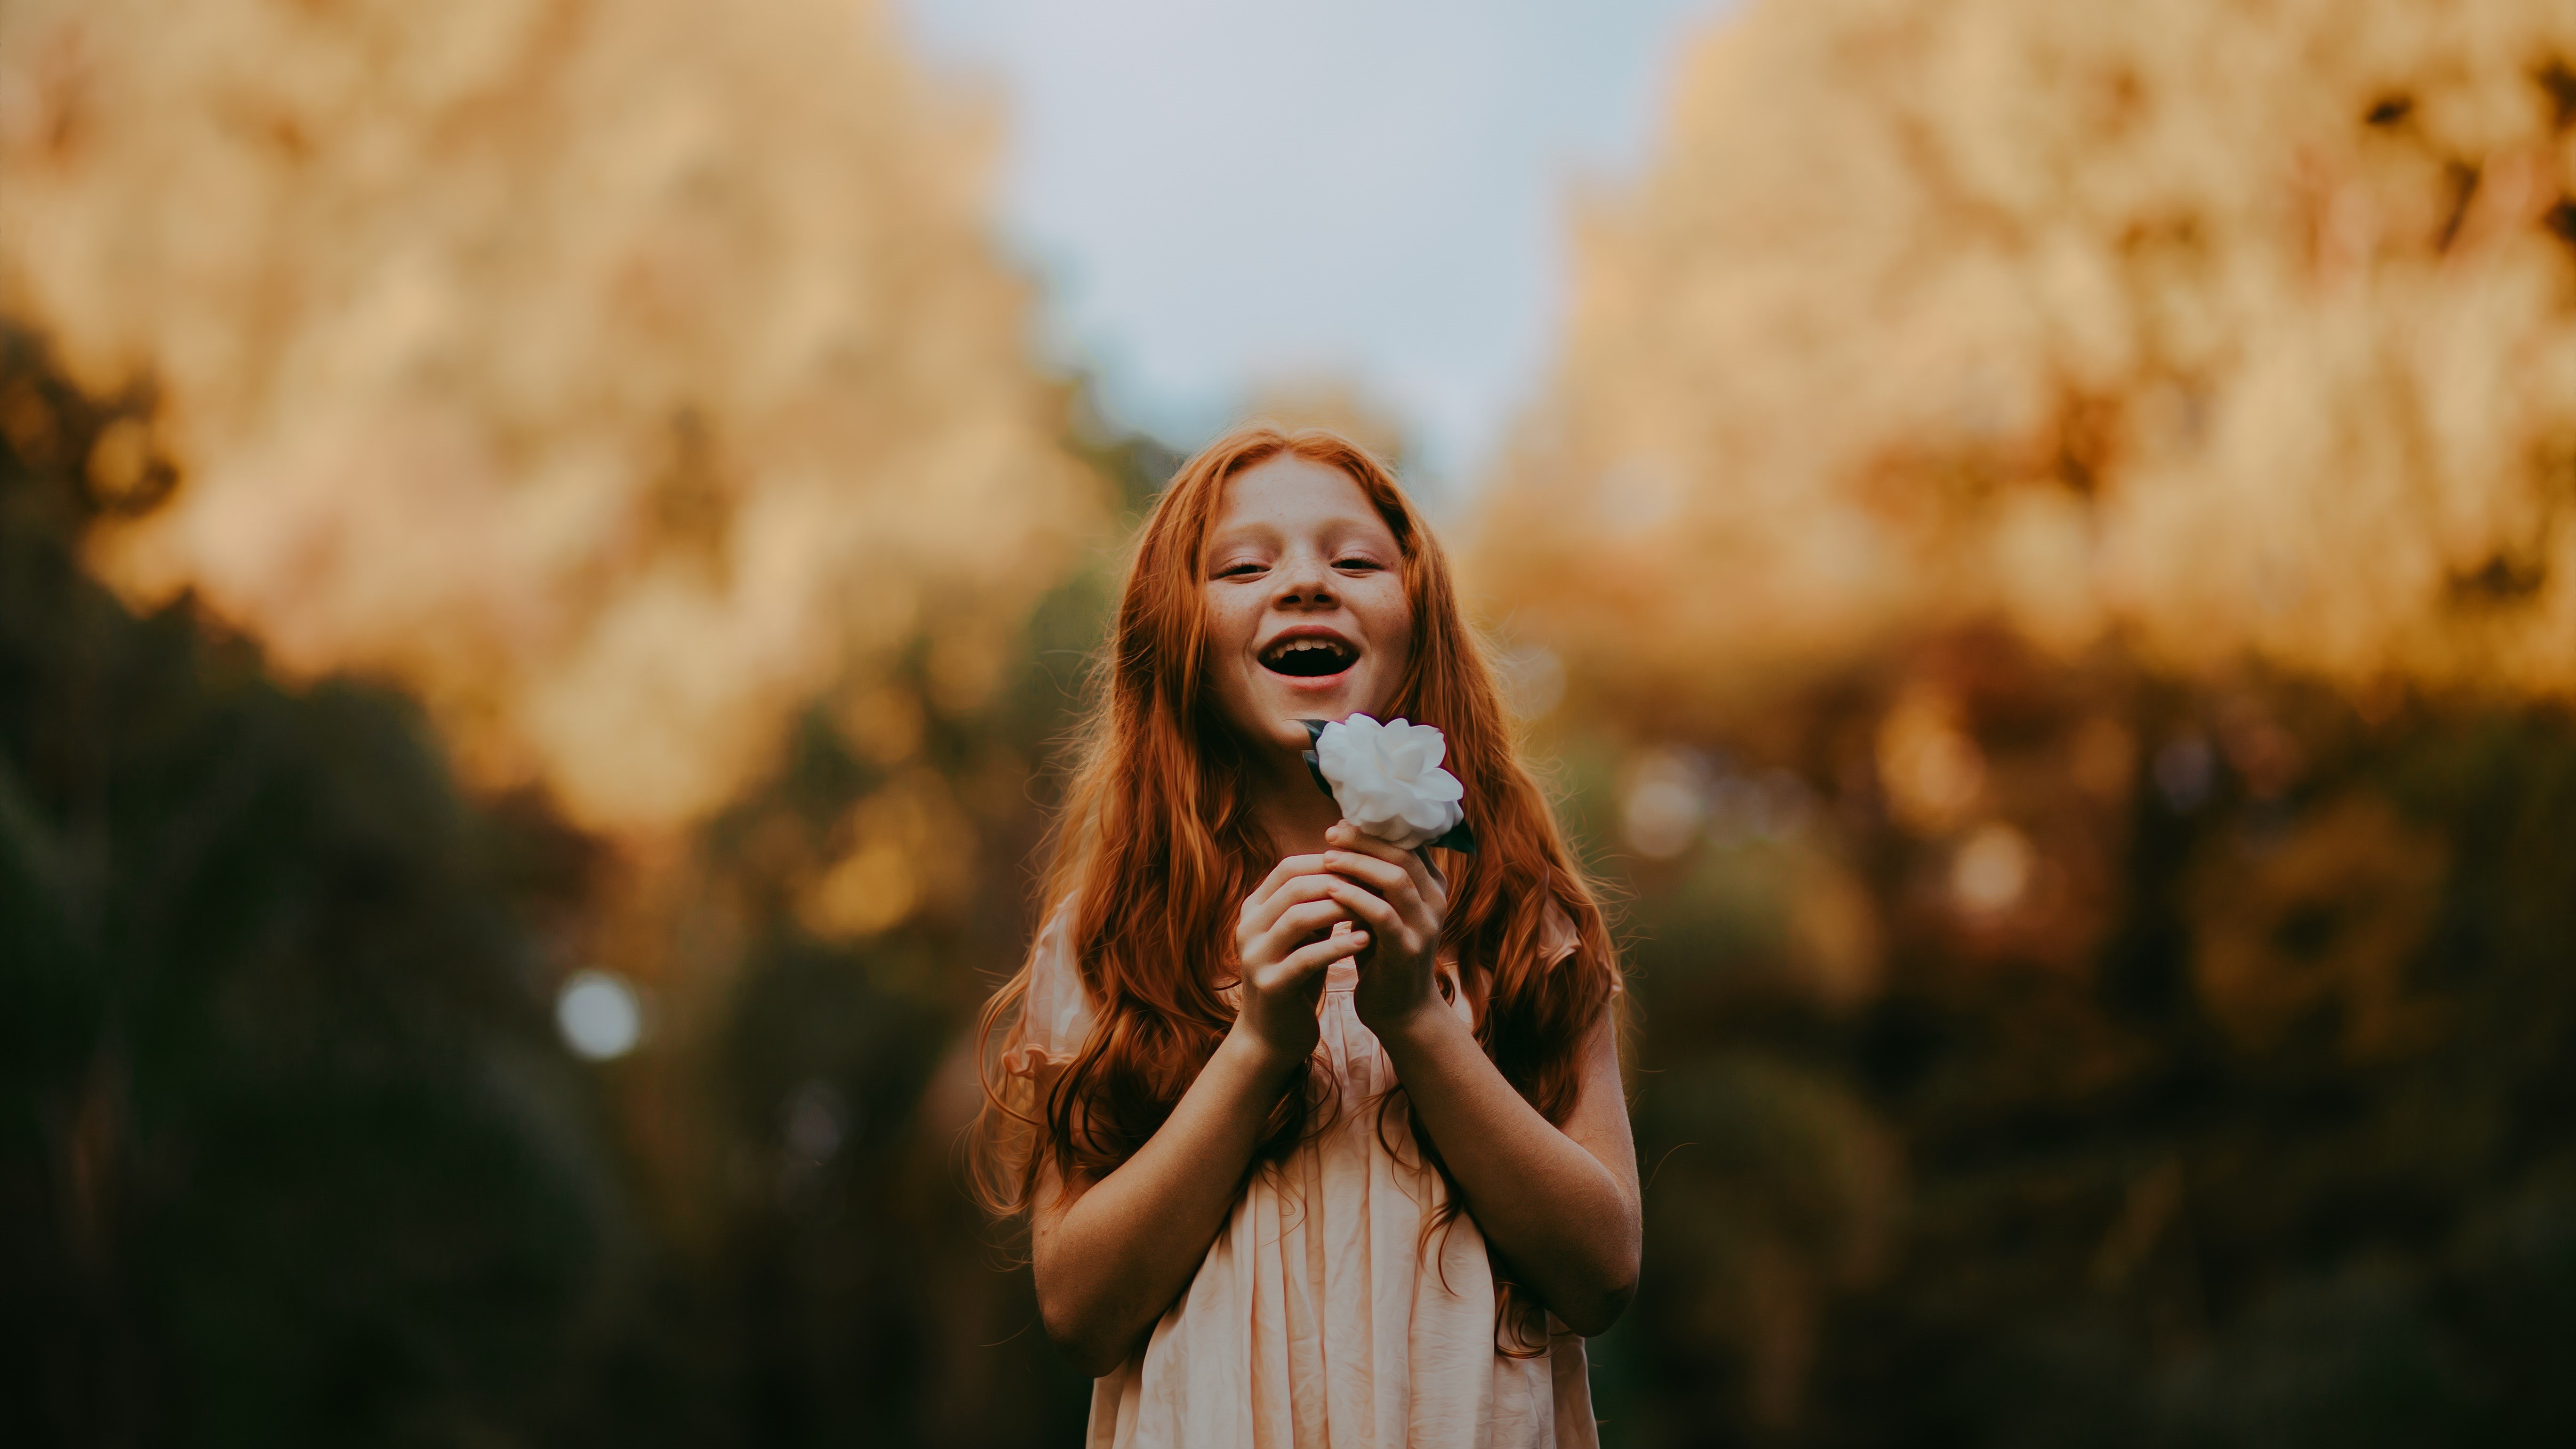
1321	1141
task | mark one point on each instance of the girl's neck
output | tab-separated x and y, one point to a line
1290	810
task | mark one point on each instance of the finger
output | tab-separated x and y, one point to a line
1288	868
1307	917
1369	907
1259	908
1389	882
1302	973
1377	873
1439	878
1324	953
1304	888
1297	891
1298	922
1427	881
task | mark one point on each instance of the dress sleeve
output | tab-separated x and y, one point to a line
1057	1014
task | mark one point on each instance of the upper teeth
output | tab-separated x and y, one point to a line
1294	645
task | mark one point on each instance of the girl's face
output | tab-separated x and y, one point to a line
1304	585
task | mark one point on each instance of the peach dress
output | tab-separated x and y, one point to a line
1322	1315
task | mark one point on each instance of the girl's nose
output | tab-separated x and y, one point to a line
1304	583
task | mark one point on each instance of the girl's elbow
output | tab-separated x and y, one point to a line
1095	1360
1089	1349
1598	1310
1606	1297
1080	1330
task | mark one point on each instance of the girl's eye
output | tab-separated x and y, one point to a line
1358	564
1231	571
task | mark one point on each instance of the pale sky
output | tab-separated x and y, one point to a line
1218	192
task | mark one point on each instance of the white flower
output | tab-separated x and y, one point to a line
1388	781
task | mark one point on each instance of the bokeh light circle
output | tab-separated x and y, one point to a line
600	1015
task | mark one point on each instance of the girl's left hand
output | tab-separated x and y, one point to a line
1397	899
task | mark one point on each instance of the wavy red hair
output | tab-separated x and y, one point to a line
1156	847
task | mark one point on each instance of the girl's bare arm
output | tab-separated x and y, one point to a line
1561	1205
1112	1254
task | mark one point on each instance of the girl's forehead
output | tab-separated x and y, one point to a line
1290	494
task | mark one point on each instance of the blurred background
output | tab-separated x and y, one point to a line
547	549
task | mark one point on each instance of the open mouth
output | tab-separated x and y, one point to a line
1311	657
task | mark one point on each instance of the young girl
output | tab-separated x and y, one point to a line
1322	1141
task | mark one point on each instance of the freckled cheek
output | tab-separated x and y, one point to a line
1390	634
1230	630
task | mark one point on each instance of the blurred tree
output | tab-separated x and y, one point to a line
639	390
2052	521
295	1155
292	1156
616	379
2235	1112
2212	328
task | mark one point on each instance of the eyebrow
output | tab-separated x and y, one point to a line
1340	530
1238	536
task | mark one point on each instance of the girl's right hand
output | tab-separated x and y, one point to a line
1282	970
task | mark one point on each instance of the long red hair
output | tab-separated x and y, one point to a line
1156	848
